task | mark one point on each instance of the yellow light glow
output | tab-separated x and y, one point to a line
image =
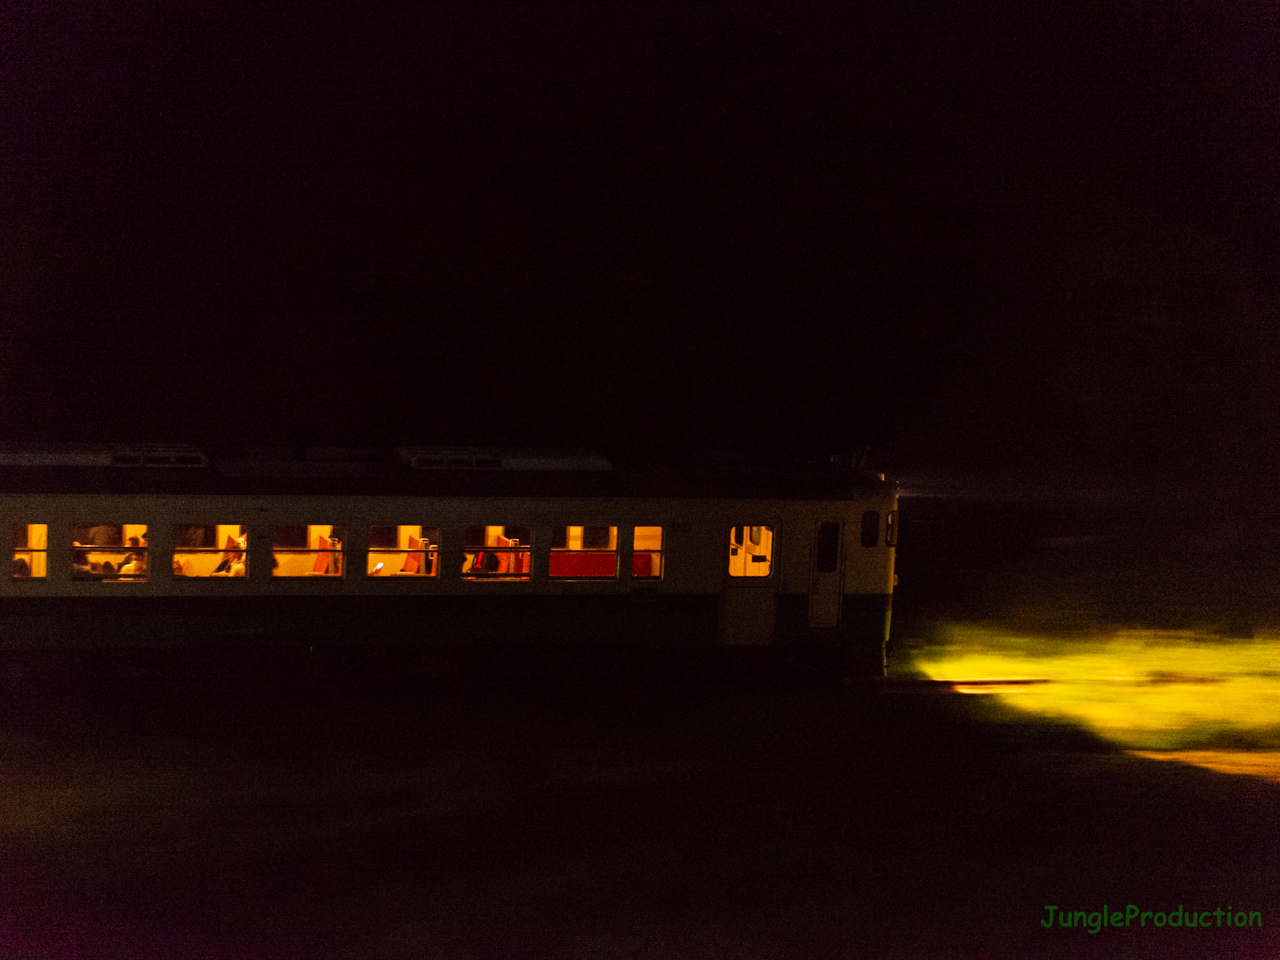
750	551
1192	697
648	538
31	561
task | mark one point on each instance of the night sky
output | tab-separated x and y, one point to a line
1033	241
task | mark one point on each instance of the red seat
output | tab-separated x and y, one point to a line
571	563
322	559
413	561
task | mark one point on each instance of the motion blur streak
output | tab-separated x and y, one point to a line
1264	764
1176	695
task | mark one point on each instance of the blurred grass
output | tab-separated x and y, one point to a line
1141	689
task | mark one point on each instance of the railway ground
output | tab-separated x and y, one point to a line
570	802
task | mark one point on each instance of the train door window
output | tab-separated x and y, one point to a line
828	552
404	550
307	550
646	559
210	550
750	551
30	550
109	551
891	529
870	528
584	552
497	553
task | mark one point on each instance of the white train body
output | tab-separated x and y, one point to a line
419	548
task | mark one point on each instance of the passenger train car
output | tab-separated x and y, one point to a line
417	545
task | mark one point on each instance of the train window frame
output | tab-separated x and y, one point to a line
746	544
569	544
425	558
33	559
333	556
657	558
870	528
110	559
234	564
484	561
891	528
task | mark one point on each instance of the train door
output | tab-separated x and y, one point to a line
749	595
826	583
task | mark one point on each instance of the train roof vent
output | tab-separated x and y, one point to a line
467	458
88	455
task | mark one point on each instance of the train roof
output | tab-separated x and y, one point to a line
448	471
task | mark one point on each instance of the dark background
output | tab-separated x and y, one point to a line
988	241
1024	251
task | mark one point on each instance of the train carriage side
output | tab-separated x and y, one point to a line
751	571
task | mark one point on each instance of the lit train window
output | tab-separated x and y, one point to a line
646	560
109	551
750	551
870	528
30	550
584	552
210	550
497	553
403	551
307	550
